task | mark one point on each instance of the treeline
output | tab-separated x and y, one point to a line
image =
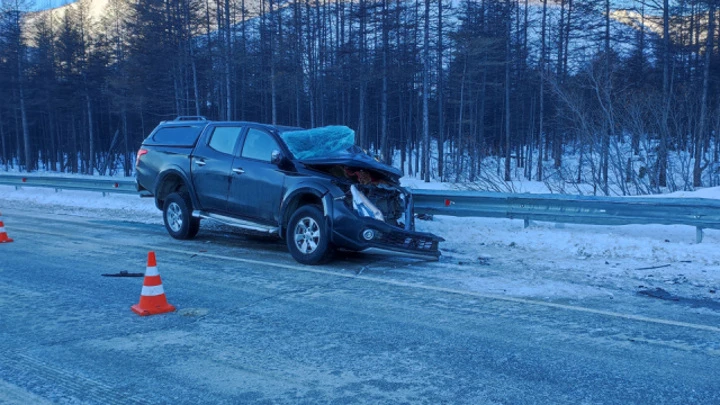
563	91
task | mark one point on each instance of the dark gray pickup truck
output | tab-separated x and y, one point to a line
314	188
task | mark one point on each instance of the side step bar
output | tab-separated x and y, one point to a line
239	223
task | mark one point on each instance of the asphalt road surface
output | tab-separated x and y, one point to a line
252	326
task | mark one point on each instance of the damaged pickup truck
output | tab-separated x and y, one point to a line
312	187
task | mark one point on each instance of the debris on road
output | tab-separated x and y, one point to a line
123	274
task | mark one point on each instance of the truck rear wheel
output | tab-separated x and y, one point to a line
307	237
177	215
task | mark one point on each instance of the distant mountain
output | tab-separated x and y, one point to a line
99	8
96	9
654	24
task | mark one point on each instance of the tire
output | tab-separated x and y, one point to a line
307	237
177	215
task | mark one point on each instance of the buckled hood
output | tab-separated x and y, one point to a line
357	161
334	146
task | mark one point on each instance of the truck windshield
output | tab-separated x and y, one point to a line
320	142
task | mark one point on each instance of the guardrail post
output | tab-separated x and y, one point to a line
698	234
526	223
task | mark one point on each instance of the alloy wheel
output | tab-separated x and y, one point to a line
307	235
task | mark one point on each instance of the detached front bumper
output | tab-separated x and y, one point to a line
351	231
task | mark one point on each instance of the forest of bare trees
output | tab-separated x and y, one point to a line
621	95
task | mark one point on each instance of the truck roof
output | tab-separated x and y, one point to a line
185	120
185	131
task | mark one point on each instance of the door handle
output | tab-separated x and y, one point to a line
200	162
238	170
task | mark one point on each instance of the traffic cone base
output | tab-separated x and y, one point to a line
152	297
3	235
142	310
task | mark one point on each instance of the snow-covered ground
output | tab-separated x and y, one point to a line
546	260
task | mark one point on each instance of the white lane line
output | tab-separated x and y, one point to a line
316	270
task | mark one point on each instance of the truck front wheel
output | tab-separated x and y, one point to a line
307	236
177	215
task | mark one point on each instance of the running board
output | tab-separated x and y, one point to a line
239	223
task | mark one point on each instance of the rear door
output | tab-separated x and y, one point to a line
212	165
256	185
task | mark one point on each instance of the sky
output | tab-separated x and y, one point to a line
45	4
495	255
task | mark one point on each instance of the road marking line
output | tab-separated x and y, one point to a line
310	269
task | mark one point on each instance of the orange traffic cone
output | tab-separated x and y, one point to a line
3	235
152	297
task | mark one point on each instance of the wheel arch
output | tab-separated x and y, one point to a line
305	196
172	181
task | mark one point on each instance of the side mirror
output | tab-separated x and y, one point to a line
276	157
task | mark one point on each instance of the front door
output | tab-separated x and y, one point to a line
256	185
212	166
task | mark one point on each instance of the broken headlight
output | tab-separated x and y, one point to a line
363	206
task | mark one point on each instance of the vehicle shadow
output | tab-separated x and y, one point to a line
267	244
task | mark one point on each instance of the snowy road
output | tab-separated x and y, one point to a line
253	326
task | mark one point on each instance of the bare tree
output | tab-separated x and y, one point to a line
426	95
700	133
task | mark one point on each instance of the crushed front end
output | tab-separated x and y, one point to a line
373	211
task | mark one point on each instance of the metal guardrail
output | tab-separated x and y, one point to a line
698	212
70	183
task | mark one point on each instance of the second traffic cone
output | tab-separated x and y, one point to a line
3	235
152	297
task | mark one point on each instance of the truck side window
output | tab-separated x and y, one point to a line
176	135
223	139
259	145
